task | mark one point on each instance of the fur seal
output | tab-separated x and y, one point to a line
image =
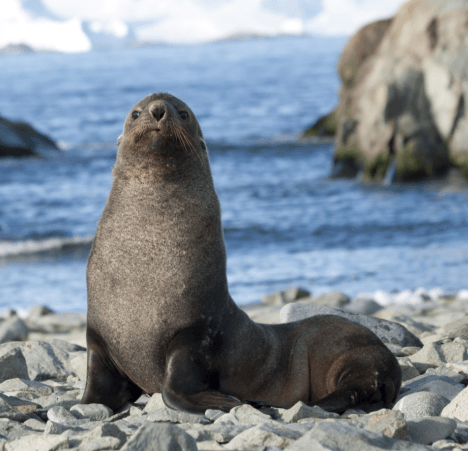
160	317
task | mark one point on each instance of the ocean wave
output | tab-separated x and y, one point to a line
30	247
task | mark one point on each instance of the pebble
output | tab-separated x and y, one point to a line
458	407
13	329
160	436
431	429
42	382
300	411
389	332
421	404
408	371
93	412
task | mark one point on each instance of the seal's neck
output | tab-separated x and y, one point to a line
155	168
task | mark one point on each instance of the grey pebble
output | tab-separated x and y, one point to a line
160	436
13	329
421	404
174	416
213	414
339	436
430	429
300	411
16	384
388	331
53	428
221	432
93	412
264	435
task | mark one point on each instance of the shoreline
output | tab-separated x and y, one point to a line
43	324
42	379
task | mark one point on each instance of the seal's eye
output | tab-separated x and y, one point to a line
135	115
183	115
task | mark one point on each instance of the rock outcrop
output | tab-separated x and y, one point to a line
18	139
402	101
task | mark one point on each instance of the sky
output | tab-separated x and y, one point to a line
45	22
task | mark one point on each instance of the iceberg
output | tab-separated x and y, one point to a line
30	23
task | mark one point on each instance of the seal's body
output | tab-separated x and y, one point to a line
160	317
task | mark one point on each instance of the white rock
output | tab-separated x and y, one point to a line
443	371
53	428
106	430
13	329
93	412
440	387
210	445
57	322
390	423
155	402
43	360
301	410
363	306
430	429
458	407
13	365
99	444
387	331
338	436
61	415
408	371
213	414
39	443
459	367
221	432
160	437
248	414
421	404
263	435
16	384
35	424
175	416
431	355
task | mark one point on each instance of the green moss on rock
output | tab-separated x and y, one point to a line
325	126
460	159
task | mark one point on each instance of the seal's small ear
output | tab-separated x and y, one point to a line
119	139
202	142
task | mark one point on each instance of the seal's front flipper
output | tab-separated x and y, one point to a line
191	381
105	385
198	402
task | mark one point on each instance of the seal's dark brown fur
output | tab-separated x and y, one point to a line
160	317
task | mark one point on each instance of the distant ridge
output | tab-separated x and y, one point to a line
16	49
253	36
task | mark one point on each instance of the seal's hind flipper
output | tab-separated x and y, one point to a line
345	398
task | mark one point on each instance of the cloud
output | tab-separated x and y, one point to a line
18	26
30	22
68	25
344	17
199	20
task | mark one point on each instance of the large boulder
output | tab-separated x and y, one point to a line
389	332
404	83
18	139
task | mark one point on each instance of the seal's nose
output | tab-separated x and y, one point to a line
158	110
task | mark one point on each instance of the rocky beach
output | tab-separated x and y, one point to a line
43	374
401	118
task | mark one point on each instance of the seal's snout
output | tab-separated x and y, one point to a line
158	111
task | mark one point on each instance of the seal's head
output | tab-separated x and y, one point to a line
161	131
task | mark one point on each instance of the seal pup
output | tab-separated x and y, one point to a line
160	317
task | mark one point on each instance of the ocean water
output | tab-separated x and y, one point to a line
286	223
